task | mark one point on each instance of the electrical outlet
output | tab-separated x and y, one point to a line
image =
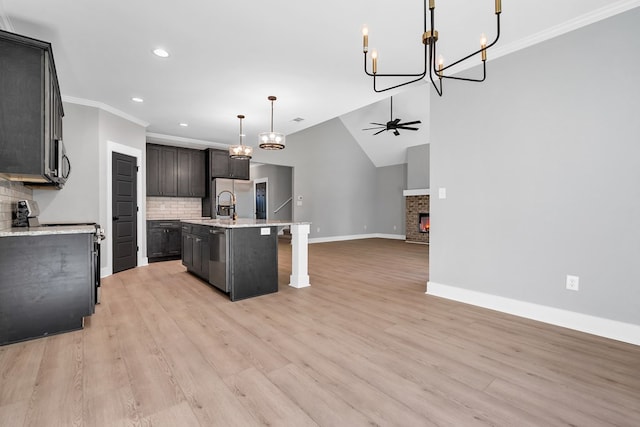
395	228
365	227
573	282
318	230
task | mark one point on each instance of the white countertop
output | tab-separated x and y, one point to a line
41	231
242	222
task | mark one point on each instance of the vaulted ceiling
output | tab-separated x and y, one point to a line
227	57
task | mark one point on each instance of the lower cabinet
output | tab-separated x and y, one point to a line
163	240
242	262
195	249
47	285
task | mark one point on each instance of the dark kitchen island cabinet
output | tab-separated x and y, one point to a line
240	261
47	283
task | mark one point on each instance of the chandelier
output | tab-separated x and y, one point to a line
437	69
240	151
271	140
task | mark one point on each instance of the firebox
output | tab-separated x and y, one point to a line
423	222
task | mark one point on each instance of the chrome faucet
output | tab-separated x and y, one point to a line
231	207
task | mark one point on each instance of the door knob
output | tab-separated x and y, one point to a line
115	218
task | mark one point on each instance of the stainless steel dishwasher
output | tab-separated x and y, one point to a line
218	258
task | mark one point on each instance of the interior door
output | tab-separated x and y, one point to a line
124	212
261	200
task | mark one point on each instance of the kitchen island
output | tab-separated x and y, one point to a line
240	257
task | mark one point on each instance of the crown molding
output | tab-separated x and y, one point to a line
104	107
188	142
568	26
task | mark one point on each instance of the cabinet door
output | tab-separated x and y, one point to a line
184	173
172	241
239	168
169	171
187	250
197	173
155	242
153	170
219	163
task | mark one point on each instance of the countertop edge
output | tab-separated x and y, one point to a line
242	223
45	231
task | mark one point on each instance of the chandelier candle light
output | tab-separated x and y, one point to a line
429	39
240	151
271	140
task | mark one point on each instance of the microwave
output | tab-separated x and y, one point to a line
61	167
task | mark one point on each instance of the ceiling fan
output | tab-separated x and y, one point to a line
394	124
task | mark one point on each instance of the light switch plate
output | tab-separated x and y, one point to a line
442	193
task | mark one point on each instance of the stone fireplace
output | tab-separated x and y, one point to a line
417	218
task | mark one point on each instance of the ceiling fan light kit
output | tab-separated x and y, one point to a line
240	151
431	66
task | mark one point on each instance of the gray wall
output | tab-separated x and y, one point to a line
418	167
333	175
541	164
84	197
279	189
78	201
390	203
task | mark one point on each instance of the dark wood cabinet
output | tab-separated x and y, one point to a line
222	166
175	172
191	173
47	284
195	249
30	111
162	171
163	240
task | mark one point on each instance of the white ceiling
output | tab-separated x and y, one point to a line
227	57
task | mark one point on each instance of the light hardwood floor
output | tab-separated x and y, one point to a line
362	346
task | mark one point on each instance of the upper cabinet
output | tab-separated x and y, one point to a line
222	166
191	173
175	172
30	112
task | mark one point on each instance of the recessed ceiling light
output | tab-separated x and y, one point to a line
136	99
184	125
160	52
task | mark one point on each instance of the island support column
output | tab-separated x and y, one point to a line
299	256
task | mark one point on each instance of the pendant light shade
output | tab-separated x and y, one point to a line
271	140
240	151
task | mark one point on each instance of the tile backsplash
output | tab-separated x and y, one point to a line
10	193
174	208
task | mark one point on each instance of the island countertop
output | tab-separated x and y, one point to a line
242	222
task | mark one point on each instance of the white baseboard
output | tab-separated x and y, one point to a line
356	237
607	328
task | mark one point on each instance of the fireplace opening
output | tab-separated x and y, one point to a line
423	222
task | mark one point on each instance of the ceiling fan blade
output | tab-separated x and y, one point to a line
377	127
406	128
411	123
379	124
380	131
396	133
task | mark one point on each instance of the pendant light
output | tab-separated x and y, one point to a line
271	140
240	151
